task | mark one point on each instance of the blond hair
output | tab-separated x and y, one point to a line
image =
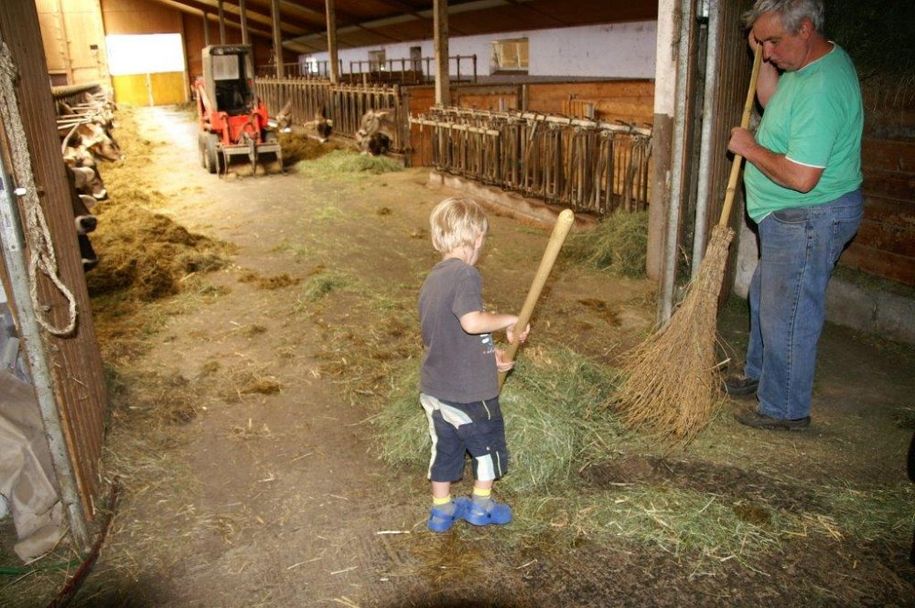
457	222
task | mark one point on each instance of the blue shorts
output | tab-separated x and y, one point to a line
458	428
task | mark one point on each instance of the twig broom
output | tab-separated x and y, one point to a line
671	380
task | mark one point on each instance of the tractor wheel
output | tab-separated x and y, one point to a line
212	152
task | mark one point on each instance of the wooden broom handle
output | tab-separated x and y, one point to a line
725	218
560	231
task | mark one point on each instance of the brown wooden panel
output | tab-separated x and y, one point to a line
890	211
625	100
140	17
888	155
892	238
881	263
889	184
76	366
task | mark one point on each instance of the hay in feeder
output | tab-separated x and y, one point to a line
618	244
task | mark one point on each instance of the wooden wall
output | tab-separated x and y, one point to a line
74	361
69	30
885	245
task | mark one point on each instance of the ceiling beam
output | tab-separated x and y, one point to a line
300	47
413	16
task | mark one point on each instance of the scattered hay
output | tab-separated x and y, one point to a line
340	162
265	386
322	283
383	210
275	282
618	244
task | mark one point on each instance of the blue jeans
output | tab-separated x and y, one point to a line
798	250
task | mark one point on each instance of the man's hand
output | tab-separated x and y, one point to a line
510	334
742	141
502	364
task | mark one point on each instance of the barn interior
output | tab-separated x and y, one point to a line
211	388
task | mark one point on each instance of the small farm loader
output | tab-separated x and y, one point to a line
232	119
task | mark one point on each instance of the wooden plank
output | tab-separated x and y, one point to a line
881	263
889	184
75	362
891	238
887	155
880	209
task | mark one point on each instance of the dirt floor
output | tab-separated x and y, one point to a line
242	429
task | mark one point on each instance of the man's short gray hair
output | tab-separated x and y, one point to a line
792	13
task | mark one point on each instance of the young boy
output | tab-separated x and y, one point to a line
459	381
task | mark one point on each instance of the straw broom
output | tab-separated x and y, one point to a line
671	379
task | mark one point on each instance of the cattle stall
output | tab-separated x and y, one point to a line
343	104
591	166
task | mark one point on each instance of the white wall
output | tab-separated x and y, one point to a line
621	50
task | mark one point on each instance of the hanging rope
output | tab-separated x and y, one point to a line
38	238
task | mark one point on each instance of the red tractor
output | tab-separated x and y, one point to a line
232	120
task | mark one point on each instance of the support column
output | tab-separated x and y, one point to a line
243	14
222	22
206	29
277	37
333	65
665	81
442	80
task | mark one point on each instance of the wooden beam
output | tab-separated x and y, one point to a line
243	16
277	37
222	22
294	46
333	65
442	79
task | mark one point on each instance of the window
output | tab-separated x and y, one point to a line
376	61
509	55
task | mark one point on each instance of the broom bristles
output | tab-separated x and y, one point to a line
671	379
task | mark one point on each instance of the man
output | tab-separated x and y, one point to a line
803	179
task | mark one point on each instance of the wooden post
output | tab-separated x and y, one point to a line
332	42
664	99
222	22
243	14
442	81
277	36
206	29
74	366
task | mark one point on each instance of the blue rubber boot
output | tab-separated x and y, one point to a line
493	513
441	521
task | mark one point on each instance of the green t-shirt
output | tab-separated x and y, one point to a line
814	118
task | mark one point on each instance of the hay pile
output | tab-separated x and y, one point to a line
339	162
147	254
554	417
618	244
297	148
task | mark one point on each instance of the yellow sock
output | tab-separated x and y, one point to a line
441	501
482	493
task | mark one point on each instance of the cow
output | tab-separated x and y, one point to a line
84	221
320	128
376	132
87	180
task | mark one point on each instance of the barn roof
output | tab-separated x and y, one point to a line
363	23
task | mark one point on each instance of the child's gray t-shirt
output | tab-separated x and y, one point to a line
457	366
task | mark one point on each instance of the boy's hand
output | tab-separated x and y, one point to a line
501	363
510	333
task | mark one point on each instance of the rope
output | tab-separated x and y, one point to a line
38	238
